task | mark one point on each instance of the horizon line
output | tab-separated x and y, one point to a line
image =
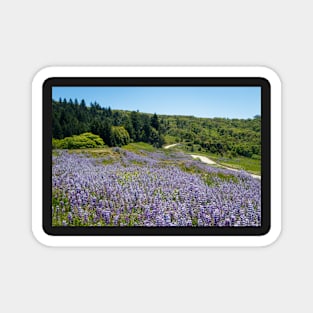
160	114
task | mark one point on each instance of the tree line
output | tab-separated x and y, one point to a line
115	127
222	136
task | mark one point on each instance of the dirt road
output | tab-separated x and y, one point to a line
206	160
203	159
209	161
170	146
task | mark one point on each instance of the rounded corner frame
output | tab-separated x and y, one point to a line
261	72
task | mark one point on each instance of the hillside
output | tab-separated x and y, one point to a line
219	136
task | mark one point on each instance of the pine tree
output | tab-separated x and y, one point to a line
155	122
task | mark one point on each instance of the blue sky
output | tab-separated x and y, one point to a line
231	102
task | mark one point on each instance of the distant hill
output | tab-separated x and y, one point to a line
222	136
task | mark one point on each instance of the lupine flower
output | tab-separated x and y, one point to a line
151	189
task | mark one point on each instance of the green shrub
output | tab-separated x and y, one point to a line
120	136
256	157
85	140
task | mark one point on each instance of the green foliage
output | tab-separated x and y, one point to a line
120	136
103	128
170	139
156	139
221	136
86	140
155	122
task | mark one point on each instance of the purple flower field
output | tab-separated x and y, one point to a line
150	189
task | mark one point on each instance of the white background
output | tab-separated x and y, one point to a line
35	34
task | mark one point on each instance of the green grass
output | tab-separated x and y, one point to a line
94	152
139	146
108	161
136	147
188	169
210	178
250	165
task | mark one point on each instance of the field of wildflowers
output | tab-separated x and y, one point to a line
150	189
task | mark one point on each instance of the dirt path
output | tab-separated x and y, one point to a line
170	146
203	159
209	161
206	160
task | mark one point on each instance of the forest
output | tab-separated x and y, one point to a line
75	124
